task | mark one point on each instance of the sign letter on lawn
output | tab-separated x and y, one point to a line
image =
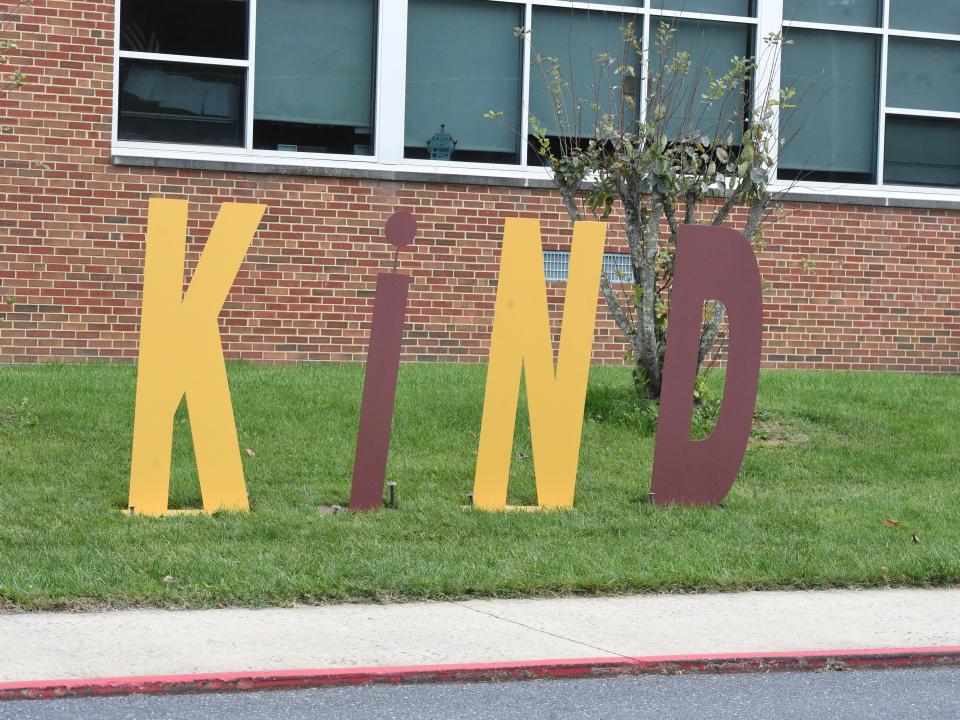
521	341
181	354
380	379
712	263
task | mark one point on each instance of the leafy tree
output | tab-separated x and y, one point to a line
673	164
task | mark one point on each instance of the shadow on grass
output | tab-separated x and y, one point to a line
623	407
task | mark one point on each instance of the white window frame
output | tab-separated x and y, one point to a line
390	82
878	190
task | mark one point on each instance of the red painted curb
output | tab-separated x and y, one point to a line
480	672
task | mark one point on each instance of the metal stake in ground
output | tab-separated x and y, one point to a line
380	380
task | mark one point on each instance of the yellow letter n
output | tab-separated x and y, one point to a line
521	342
181	354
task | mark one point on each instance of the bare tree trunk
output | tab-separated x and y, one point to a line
711	329
755	217
620	317
616	310
690	212
643	234
569	195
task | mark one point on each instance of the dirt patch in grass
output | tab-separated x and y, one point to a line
769	432
17	416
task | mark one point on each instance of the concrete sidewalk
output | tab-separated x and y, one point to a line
47	646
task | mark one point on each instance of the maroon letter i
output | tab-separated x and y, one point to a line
380	381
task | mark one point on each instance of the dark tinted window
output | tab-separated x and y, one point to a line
922	151
181	103
205	28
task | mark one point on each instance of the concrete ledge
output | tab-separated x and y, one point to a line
410	175
485	672
920	203
331	172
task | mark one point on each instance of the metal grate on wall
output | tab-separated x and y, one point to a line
556	266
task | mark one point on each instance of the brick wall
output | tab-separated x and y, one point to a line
847	286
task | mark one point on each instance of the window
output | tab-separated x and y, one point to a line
314	76
164	99
923	75
586	48
878	98
208	28
936	16
922	151
831	135
716	7
186	74
865	13
463	61
455	86
181	102
710	45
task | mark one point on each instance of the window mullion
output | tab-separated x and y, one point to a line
644	64
251	73
882	119
920	35
833	27
769	59
525	72
192	59
391	81
115	122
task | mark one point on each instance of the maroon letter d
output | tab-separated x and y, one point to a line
712	263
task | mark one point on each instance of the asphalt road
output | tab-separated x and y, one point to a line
858	695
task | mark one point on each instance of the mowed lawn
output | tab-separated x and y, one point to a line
850	480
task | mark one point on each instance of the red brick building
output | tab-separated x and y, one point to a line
322	111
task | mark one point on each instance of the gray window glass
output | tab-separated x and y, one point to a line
923	74
710	45
922	151
180	103
832	133
940	16
588	48
464	60
865	13
716	7
315	76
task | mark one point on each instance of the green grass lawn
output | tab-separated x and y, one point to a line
835	454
